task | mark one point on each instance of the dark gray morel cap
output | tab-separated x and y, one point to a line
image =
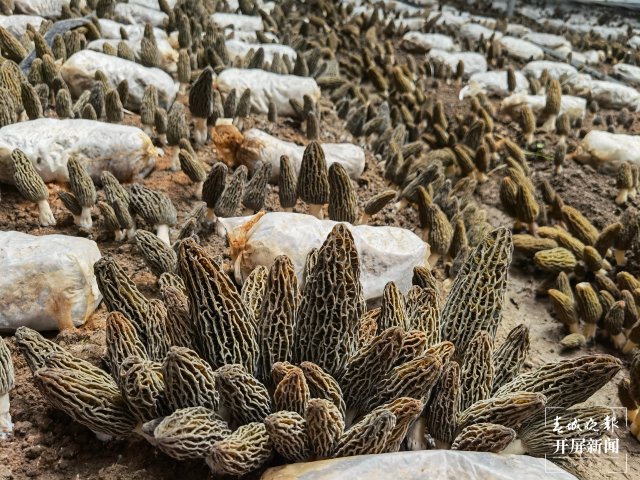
156	209
313	182
30	185
256	190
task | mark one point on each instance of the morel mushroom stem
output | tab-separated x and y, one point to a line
200	130
162	232
45	215
316	211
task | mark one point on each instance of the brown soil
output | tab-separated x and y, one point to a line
49	446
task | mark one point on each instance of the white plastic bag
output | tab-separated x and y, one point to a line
238	48
603	147
47	282
575	107
615	95
79	72
521	49
259	145
387	254
154	4
440	464
43	8
168	56
473	62
125	151
474	31
423	42
17	24
555	69
493	83
628	73
267	86
246	23
139	14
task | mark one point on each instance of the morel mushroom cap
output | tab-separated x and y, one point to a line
157	255
142	388
565	308
70	202
375	204
292	392
122	342
325	426
443	409
509	410
313	182
287	184
189	380
253	291
288	433
245	450
201	103
83	189
190	433
423	313
31	101
555	260
508	359
323	385
484	437
342	195
588	307
11	47
30	185
477	370
579	226
148	108
213	187
406	411
229	201
34	347
156	209
244	397
194	169
256	190
7	381
614	322
113	106
369	436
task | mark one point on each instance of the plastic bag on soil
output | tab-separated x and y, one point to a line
260	146
17	24
139	14
246	23
125	151
601	147
79	71
423	42
154	4
615	95
473	62
493	83
521	49
168	56
555	69
238	48
575	107
387	254
47	281
43	8
440	464
628	73
474	31
547	40
267	85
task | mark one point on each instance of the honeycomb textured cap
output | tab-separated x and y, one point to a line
142	388
26	178
7	374
245	450
189	380
313	182
343	201
484	437
34	347
288	433
214	184
367	437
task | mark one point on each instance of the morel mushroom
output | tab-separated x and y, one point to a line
156	209
212	189
201	104
343	202
31	186
287	185
7	380
194	169
83	189
158	256
256	189
313	182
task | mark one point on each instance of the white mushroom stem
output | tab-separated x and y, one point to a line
131	233
119	235
401	204
514	448
620	257
364	218
630	345
618	340
574	327
415	435
316	211
175	159
6	425
199	190
528	138
148	129
287	209
45	214
211	216
162	138
85	218
481	177
550	124
183	88
589	331
162	232
623	196
200	130
558	169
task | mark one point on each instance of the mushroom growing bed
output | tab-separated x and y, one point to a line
182	371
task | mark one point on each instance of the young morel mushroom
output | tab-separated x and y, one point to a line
256	190
30	185
375	204
245	450
313	182
288	432
229	201
194	169
343	202
190	381
83	189
7	380
552	105
148	108
287	185
242	395
484	437
367	437
624	182
158	256
325	426
113	106
177	129
212	189
201	104
156	209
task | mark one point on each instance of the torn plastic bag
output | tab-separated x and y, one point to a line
125	151
600	147
238	48
267	86
419	42
387	254
440	464
575	107
246	23
473	62
79	73
47	282
521	49
494	84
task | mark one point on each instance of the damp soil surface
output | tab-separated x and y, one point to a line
48	445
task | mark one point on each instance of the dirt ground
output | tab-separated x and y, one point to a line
48	446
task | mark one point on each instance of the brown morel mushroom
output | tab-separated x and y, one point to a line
149	54
148	108
624	182
528	124
30	185
189	380
110	221
7	381
201	104
70	202
288	432
177	129
31	101
212	189
375	204
194	169
313	182
112	105
287	185
156	209
245	450
342	195
256	190
552	105
484	437
83	189
158	256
